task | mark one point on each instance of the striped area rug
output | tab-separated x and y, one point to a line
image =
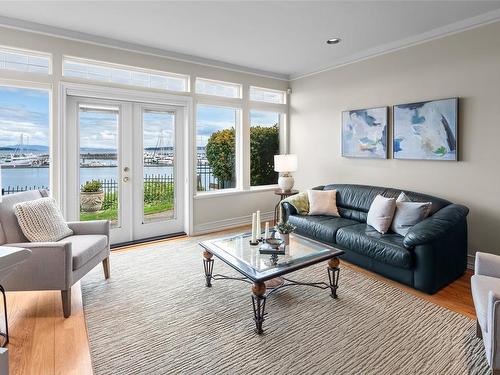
155	316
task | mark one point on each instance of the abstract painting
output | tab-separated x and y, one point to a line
426	130
364	133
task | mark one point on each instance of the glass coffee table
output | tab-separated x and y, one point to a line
266	272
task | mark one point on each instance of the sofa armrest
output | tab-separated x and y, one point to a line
493	316
435	226
89	227
49	267
487	265
286	210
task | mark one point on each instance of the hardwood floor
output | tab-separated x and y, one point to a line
44	343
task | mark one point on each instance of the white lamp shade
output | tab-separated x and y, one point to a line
285	163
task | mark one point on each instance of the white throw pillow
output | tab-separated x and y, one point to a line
408	214
41	220
323	202
381	213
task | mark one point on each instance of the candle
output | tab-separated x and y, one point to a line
254	227
258	231
266	232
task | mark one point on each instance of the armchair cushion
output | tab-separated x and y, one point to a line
481	286
85	247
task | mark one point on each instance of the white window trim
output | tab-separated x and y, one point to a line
29	52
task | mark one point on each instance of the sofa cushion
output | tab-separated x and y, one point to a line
322	202
85	247
321	228
387	248
481	286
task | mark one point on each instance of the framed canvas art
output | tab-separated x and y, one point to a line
364	133
426	130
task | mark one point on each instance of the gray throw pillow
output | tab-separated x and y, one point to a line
381	213
41	220
408	214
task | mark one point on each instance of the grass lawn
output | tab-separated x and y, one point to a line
112	213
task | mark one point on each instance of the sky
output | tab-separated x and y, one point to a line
26	111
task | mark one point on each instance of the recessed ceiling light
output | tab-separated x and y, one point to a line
333	41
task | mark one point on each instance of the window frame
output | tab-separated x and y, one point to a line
130	68
28	52
53	147
202	94
284	92
228	103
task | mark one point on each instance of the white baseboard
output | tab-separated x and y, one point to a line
214	226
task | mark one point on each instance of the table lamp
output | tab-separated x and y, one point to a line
284	164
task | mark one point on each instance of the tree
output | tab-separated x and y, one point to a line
264	144
221	154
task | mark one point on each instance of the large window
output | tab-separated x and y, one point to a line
127	75
264	144
24	139
24	61
218	88
216	147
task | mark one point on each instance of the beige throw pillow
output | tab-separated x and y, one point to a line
323	202
381	213
41	220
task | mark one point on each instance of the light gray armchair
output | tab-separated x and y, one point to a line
53	265
485	284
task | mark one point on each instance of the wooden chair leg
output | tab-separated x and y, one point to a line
66	302
105	266
479	333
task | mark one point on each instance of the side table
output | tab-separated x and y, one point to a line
283	194
10	258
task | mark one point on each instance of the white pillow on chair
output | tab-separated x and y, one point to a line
41	220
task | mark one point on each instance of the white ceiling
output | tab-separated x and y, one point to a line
284	39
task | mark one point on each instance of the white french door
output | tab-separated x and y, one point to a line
130	152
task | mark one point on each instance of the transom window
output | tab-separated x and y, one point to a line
128	75
218	88
260	94
24	61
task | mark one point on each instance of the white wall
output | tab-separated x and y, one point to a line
466	65
211	212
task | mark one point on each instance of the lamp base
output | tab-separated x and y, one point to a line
286	183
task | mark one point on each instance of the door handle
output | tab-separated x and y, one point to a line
125	179
126	169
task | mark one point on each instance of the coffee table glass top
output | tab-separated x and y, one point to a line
245	258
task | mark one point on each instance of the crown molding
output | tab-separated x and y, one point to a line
38	28
438	33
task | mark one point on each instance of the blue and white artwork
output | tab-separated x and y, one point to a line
426	130
364	133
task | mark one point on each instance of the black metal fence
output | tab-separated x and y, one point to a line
154	185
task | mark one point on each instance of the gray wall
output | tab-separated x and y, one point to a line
466	65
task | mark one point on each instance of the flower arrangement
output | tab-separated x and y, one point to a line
285	227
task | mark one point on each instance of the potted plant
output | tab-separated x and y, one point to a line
91	196
284	229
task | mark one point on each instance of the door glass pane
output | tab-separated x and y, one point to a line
99	174
264	144
159	168
24	139
216	147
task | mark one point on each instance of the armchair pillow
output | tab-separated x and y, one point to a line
323	202
408	214
41	220
381	213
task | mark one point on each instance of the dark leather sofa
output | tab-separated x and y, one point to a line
431	255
